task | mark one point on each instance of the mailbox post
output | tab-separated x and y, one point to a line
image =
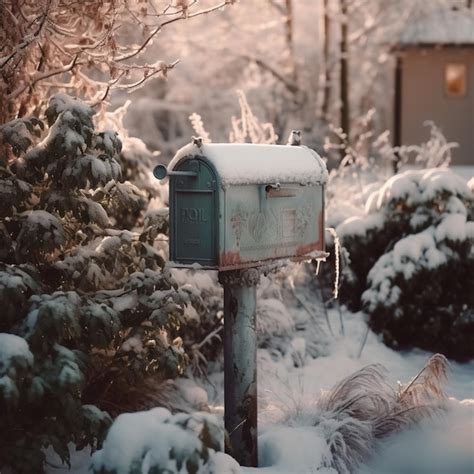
237	208
240	362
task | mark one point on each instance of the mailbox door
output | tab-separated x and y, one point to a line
266	224
194	214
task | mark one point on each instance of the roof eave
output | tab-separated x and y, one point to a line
429	45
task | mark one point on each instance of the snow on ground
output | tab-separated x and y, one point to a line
441	446
302	450
466	172
438	447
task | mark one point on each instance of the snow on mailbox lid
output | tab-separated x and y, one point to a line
246	163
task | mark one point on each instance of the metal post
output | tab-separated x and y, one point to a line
240	363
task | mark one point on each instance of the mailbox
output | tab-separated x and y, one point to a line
235	206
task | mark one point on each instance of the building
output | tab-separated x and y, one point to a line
434	80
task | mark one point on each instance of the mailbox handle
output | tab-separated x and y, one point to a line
161	172
182	173
276	191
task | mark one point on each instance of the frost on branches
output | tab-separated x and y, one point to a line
419	229
89	311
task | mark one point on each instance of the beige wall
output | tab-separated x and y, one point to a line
424	98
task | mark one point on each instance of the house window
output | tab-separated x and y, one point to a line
455	79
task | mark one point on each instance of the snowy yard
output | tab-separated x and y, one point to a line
439	446
466	172
218	212
428	449
333	398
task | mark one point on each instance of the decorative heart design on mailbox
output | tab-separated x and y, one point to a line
257	225
261	225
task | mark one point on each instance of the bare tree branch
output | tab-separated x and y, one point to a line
290	86
168	22
79	43
45	75
27	40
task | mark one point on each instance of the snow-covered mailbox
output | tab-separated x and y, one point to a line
237	208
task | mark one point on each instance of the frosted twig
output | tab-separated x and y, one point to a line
198	127
326	315
209	337
337	252
364	340
238	426
248	126
341	319
306	308
290	85
44	75
150	37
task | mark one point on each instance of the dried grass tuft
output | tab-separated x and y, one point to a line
363	409
422	397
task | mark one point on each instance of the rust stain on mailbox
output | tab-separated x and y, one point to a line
235	206
230	259
318	245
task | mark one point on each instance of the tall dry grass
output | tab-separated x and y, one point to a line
363	409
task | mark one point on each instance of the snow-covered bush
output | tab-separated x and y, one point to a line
275	326
156	441
297	334
412	261
89	310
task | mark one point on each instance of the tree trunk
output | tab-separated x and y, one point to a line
327	71
289	28
344	71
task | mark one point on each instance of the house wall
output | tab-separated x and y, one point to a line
423	98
